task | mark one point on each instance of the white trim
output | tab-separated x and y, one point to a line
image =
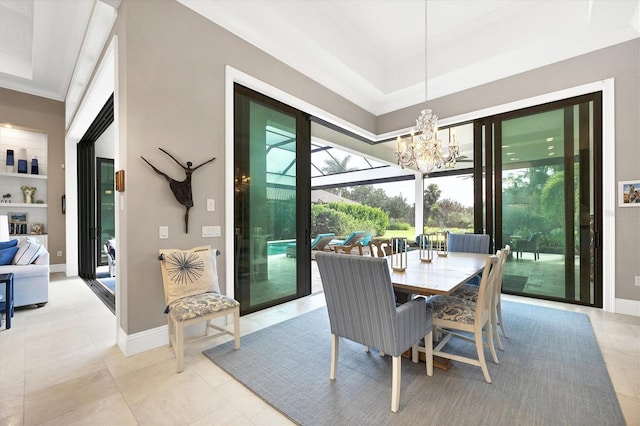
57	267
608	158
143	341
627	307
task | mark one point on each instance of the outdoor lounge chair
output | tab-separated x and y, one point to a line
351	239
319	243
360	245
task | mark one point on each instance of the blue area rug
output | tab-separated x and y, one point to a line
550	373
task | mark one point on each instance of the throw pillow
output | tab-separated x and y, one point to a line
7	254
28	251
186	272
7	244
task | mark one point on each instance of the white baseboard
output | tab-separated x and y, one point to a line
58	267
142	341
628	307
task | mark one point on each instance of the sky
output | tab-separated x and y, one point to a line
456	188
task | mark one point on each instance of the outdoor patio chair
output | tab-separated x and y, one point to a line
319	243
362	308
531	244
360	245
351	239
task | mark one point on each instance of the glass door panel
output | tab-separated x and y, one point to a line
105	206
547	203
267	146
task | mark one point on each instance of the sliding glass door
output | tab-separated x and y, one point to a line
547	199
272	202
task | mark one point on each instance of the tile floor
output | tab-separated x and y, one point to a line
59	366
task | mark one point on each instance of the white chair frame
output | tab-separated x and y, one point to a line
176	332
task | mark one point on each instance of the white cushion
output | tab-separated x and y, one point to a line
187	272
28	252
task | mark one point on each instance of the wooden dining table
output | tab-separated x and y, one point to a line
443	275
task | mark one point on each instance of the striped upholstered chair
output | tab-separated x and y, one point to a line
362	308
468	243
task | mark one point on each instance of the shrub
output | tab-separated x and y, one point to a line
398	226
343	218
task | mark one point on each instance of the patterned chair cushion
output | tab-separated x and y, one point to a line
199	305
451	308
467	292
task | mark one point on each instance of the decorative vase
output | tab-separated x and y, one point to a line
22	161
10	167
34	166
28	193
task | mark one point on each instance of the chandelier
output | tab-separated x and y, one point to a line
425	150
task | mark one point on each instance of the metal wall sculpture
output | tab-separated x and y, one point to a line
181	189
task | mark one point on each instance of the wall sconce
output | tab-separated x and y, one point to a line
120	181
399	250
426	247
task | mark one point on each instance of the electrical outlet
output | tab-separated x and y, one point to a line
211	205
59	254
638	280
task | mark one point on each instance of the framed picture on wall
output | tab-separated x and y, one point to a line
629	193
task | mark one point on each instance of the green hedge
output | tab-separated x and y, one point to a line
344	218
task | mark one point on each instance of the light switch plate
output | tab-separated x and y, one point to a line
163	232
211	231
211	205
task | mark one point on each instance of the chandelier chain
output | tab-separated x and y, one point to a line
426	92
423	148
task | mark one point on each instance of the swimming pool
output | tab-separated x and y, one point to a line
278	246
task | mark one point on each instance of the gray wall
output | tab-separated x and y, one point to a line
171	95
44	115
621	62
171	66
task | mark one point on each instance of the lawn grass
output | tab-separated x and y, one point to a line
409	234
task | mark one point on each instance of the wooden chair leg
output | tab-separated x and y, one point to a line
335	343
395	383
428	352
492	348
481	360
170	329
499	316
180	347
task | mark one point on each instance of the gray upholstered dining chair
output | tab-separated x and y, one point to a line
468	243
456	317
362	308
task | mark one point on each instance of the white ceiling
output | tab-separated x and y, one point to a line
371	52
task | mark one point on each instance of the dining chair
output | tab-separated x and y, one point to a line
470	292
362	308
452	315
192	295
468	243
380	247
